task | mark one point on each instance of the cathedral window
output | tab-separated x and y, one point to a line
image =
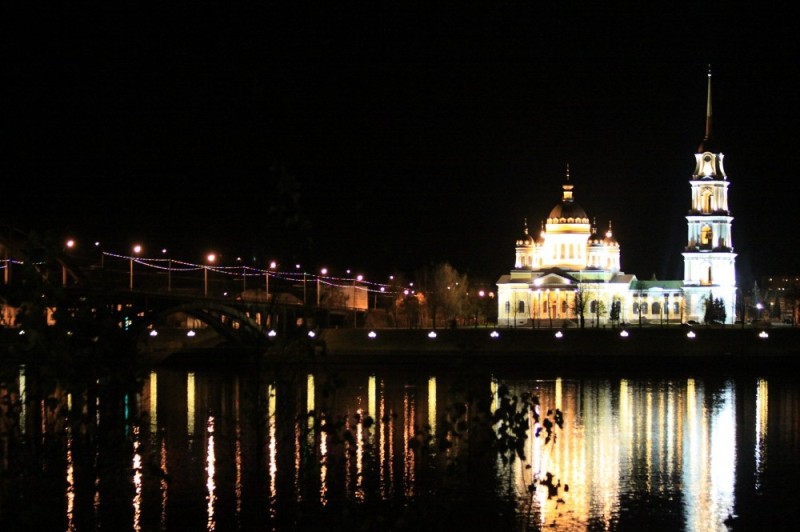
706	236
706	202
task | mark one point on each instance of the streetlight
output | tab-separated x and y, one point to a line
209	260
272	266
297	267
169	270
136	250
244	275
355	313
69	245
323	271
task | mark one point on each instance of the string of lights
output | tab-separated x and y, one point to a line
179	266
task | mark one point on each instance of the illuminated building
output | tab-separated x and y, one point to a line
571	269
709	260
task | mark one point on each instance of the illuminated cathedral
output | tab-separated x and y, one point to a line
571	271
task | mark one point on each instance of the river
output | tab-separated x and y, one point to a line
396	447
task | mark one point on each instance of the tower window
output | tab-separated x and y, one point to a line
706	236
707	205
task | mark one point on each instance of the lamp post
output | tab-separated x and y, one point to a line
355	313
169	270
297	266
244	275
323	271
272	266
136	250
69	244
209	260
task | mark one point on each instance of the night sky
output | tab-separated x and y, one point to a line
407	137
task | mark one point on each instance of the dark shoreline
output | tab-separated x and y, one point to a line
645	350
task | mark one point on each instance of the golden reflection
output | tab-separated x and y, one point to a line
237	449
137	481
23	400
298	454
409	457
494	385
722	457
382	426
190	406
359	492
70	483
557	402
323	463
371	396
153	402
272	400
347	455
310	393
628	439
648	438
211	470
432	407
163	484
762	416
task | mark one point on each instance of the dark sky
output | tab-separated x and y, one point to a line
411	136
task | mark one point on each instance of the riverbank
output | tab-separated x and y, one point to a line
656	348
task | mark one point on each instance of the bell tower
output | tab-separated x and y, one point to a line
709	260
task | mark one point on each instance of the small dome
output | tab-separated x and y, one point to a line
596	239
526	239
608	238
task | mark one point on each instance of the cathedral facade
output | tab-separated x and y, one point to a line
570	272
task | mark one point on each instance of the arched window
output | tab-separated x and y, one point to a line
707	204
635	308
521	307
563	307
656	308
706	236
676	308
644	308
593	306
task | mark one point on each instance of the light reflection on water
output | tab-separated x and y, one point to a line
681	454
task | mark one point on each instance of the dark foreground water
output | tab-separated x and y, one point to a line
399	448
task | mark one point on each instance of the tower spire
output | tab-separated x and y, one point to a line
567	198
708	108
